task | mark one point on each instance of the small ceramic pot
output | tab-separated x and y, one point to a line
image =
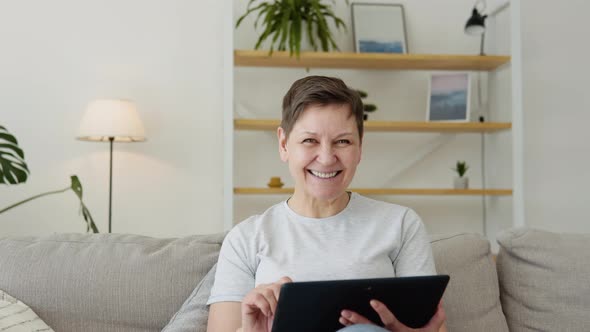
275	182
461	182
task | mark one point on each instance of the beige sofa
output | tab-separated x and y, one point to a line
114	282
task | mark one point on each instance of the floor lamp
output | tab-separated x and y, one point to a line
111	120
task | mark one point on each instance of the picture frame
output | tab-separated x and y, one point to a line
379	28
449	97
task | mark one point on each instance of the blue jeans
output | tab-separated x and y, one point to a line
362	328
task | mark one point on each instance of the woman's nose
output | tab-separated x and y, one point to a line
326	155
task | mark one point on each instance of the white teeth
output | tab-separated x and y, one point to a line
324	175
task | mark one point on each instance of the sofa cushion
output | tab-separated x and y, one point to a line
105	282
472	298
15	316
544	280
193	315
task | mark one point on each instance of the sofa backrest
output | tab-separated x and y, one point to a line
545	280
105	282
114	282
472	298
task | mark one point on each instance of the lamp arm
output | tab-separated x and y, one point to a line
499	9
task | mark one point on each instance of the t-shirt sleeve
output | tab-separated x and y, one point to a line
236	269
415	255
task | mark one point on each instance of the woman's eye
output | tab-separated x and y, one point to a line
309	140
343	141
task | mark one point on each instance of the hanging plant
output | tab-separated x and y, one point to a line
284	21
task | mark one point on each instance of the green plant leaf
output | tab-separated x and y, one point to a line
311	36
270	26
76	186
295	35
362	93
461	168
249	11
284	29
13	168
369	107
268	9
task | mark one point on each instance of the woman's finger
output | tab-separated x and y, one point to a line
270	296
284	280
344	321
387	317
257	301
276	287
438	319
354	318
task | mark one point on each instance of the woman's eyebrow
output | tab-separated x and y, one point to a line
313	133
344	134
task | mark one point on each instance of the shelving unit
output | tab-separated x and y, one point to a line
383	62
495	132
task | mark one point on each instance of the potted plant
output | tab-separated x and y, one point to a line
287	20
14	170
461	181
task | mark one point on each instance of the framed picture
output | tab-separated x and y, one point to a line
449	97
379	28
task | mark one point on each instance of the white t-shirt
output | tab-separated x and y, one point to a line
368	239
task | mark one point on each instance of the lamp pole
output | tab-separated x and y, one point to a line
111	140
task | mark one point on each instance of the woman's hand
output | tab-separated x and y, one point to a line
391	323
258	307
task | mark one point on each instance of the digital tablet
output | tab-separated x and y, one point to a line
316	305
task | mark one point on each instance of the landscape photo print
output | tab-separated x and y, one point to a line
449	97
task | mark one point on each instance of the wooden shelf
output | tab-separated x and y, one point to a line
393	126
387	191
249	58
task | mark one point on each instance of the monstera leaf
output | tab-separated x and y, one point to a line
13	168
76	186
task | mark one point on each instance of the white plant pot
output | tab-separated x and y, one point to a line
461	182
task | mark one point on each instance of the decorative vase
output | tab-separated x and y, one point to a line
461	182
275	182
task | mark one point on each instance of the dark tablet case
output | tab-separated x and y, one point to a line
316	305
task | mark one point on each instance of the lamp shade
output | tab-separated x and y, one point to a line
475	24
106	118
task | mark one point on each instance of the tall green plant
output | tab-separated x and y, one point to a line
284	21
14	170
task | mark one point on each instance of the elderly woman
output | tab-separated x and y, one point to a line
321	232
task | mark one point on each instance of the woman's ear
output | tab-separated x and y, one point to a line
282	144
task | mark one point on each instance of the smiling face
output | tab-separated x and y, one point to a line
323	151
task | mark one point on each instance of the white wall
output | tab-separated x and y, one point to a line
58	55
557	113
390	159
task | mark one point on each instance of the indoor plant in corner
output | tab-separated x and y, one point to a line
461	181
287	20
14	170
